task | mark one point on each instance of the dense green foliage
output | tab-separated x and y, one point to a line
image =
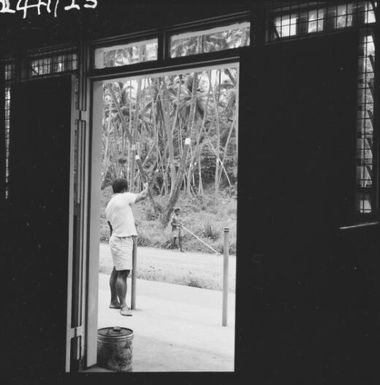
160	112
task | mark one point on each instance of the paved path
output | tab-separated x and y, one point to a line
176	328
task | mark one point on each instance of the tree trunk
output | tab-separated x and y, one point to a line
218	160
196	152
189	172
191	125
226	146
144	177
200	183
105	162
169	135
177	186
134	132
217	128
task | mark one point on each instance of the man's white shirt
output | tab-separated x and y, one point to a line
119	214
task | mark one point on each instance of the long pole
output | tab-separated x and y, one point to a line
200	240
225	275
133	278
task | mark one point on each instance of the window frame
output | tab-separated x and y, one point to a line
360	28
122	40
205	28
164	61
329	21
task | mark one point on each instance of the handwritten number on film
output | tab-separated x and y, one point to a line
24	6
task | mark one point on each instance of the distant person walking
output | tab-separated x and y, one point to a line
176	224
121	221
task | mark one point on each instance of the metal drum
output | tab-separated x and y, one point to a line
115	348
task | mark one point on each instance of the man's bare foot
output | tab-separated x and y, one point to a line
114	305
125	311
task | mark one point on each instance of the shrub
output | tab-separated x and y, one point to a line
209	231
150	215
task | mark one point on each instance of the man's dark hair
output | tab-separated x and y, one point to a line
176	210
119	185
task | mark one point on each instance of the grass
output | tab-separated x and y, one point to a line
189	269
206	217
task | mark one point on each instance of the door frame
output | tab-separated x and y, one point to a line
71	230
93	233
78	225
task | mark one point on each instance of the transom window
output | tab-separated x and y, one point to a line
126	54
52	64
211	40
299	19
191	42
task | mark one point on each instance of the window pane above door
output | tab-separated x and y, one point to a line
210	40
126	54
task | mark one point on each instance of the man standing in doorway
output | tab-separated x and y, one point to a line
120	218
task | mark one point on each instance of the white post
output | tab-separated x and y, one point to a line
225	275
133	277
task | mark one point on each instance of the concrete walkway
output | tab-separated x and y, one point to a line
176	328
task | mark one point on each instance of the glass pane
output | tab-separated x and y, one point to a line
126	54
9	77
52	64
41	66
363	203
364	126
9	70
7	135
310	17
316	19
211	40
344	16
286	25
369	12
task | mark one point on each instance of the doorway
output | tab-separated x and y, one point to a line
178	317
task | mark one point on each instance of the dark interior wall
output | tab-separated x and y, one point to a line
34	228
313	291
110	18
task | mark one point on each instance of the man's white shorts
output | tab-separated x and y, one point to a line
121	251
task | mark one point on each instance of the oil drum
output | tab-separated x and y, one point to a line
115	348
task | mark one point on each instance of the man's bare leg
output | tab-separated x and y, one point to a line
180	244
115	304
121	290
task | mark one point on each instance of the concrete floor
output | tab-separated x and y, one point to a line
176	328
